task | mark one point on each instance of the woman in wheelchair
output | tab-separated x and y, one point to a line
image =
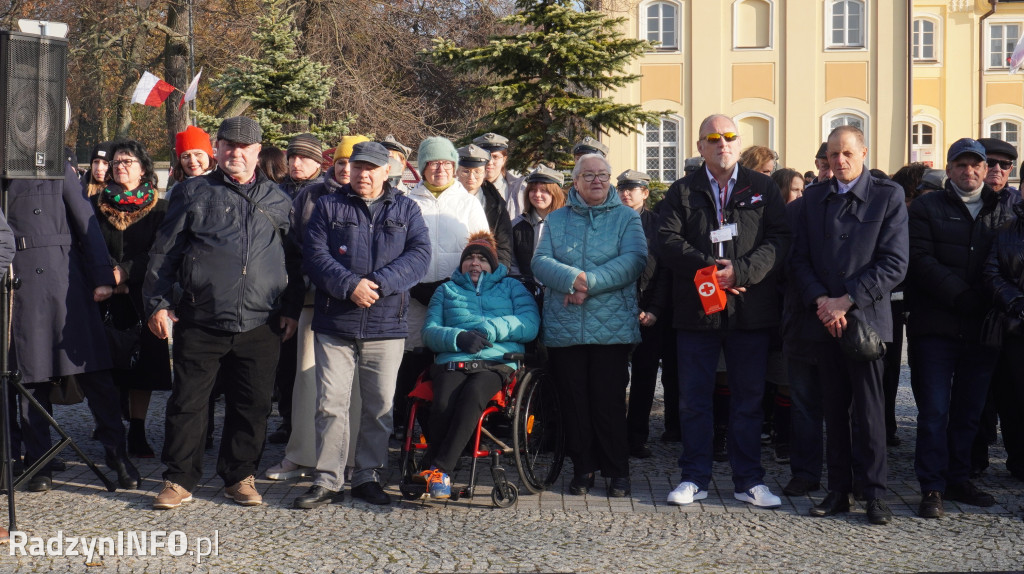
472	321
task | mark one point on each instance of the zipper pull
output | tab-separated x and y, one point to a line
243	269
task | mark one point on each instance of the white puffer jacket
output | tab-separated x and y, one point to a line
451	218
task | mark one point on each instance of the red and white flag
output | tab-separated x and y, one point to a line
190	93
151	90
1017	58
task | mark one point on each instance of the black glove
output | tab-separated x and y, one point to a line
969	303
472	342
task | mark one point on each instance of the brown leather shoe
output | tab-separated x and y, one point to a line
171	496
244	492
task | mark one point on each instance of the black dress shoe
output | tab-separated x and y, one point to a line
318	496
581	484
800	487
619	488
371	492
878	512
835	503
127	475
640	451
967	493
41	482
931	505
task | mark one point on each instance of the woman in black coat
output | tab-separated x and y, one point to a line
543	195
129	214
57	331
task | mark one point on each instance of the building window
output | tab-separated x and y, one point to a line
1009	132
845	117
662	25
1001	40
924	40
922	143
846	120
752	25
846	24
661	148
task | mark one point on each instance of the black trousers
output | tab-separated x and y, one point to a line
1009	392
285	379
658	345
104	402
459	400
893	362
852	391
592	383
250	360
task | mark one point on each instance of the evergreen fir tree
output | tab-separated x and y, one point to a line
283	89
549	77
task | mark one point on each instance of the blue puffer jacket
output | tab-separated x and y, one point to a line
342	246
607	242
498	306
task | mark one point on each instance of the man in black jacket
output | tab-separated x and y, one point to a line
223	240
734	218
951	232
849	252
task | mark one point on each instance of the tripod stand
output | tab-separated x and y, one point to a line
12	379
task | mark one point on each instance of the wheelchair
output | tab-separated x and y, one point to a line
529	403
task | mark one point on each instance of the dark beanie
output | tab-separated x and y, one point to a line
102	151
306	145
482	242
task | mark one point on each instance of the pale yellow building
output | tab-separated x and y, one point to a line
791	70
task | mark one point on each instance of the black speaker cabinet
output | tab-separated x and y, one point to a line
32	94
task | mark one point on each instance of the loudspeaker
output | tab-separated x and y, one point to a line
32	95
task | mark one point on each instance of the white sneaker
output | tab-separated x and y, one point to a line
686	493
286	470
760	497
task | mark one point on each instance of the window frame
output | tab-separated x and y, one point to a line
828	117
643	29
771	128
846	46
1012	119
771	26
680	144
936	24
1019	22
936	147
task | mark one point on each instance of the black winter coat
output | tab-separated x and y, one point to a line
61	259
687	219
654	287
499	222
1003	274
523	245
948	249
230	256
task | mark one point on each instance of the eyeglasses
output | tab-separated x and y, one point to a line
715	137
1005	164
127	163
589	177
440	165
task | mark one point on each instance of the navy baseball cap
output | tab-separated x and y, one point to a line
966	145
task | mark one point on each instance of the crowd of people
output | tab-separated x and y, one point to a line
322	276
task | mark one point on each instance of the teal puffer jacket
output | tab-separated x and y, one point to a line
607	242
498	306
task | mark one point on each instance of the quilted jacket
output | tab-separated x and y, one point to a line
498	306
607	242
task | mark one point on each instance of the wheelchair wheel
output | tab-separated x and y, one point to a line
411	491
538	436
503	500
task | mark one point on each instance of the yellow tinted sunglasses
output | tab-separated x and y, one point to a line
715	137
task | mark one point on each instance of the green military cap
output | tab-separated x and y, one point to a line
392	144
491	142
473	156
633	178
545	174
589	145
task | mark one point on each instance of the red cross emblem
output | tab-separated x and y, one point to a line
706	289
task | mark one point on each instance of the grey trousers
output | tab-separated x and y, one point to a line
337	362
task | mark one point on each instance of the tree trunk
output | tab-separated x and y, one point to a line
176	67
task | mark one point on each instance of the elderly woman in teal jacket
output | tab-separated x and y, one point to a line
589	259
472	321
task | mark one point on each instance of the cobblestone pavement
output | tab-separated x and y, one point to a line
553	532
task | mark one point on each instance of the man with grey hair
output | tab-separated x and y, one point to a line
732	219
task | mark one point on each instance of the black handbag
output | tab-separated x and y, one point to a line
124	344
860	341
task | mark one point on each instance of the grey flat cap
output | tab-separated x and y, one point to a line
240	129
370	152
633	178
589	145
491	142
545	174
392	144
473	156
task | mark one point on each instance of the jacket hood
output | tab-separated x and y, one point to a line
578	205
487	280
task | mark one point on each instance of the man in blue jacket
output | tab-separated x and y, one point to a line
365	246
850	251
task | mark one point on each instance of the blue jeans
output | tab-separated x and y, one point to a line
807	420
746	358
950	379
